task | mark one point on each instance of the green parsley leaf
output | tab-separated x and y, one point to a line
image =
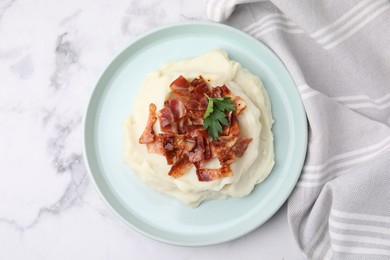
215	116
209	109
225	104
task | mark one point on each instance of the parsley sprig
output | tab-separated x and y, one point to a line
215	116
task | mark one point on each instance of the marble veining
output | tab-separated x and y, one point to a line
51	53
138	13
66	56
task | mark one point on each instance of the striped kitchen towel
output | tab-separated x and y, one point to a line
338	53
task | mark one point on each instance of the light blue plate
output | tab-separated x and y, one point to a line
164	218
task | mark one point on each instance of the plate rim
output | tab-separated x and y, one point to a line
86	115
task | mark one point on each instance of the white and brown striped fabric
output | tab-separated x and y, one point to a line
338	53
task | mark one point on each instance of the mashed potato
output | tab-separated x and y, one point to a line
255	122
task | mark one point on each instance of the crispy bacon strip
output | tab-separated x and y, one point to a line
221	91
180	167
168	144
234	129
180	86
148	135
189	145
213	174
241	146
183	140
167	120
197	154
156	147
177	108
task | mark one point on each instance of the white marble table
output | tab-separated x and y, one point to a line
50	55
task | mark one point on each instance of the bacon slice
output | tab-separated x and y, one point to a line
216	92
197	154
213	174
180	144
223	149
241	146
148	135
226	141
167	120
207	150
196	116
166	117
182	124
226	156
177	108
208	174
200	88
180	86
180	167
169	147
189	145
226	92
200	83
234	129
156	146
192	104
199	104
193	130
203	102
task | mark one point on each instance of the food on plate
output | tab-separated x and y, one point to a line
201	129
197	124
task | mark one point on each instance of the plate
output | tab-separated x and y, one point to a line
162	217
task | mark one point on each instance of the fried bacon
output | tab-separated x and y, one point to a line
177	108
213	174
148	135
180	167
221	91
156	147
234	129
183	140
168	144
180	86
241	146
167	120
